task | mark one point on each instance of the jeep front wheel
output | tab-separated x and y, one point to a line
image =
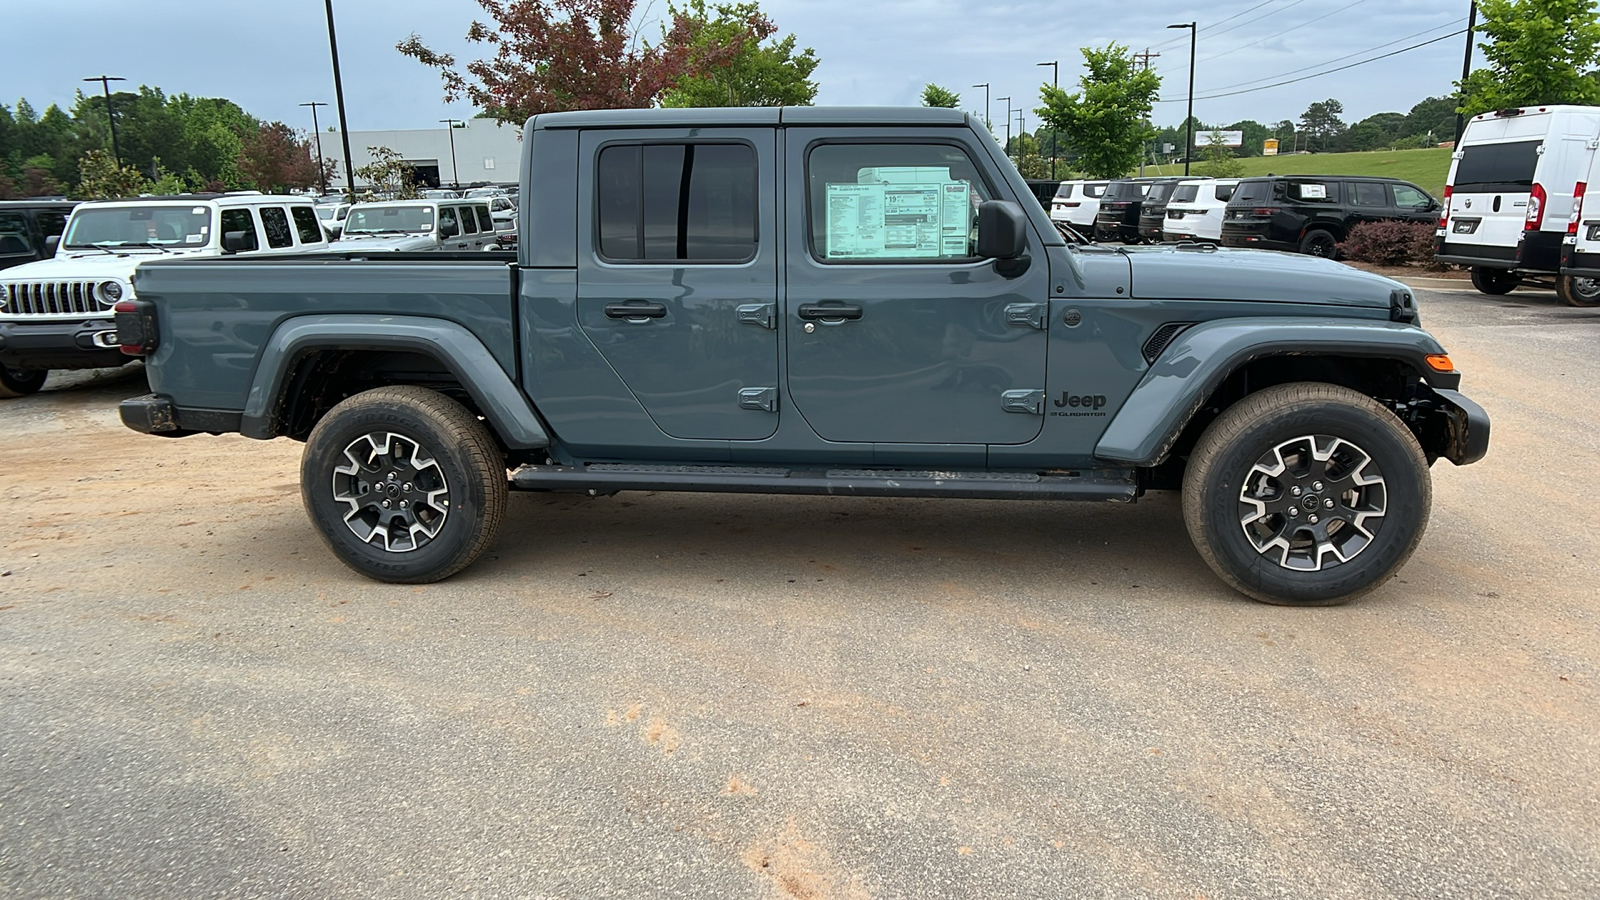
21	382
1306	495
404	484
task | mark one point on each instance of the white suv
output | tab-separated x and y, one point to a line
56	313
413	226
1194	212
1076	203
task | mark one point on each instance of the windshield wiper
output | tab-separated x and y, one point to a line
147	244
101	247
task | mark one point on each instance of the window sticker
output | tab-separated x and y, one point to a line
899	212
193	238
1310	191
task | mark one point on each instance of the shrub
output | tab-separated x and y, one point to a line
1390	243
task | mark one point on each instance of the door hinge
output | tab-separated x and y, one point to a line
766	398
763	314
1029	314
1029	403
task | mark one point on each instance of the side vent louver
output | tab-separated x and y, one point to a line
1161	338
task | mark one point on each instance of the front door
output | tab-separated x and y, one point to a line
678	276
896	332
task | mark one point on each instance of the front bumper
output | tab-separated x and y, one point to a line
1468	425
79	344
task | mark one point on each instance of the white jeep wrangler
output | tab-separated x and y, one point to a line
56	313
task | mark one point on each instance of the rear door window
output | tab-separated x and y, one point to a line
305	222
688	202
275	222
1486	168
1314	191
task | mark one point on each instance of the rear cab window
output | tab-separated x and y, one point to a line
1507	167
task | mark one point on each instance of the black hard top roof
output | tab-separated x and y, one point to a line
750	116
1325	178
39	201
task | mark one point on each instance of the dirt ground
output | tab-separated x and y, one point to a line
723	696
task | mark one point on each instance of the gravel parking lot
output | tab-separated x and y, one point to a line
658	695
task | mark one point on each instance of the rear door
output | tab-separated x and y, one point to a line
1494	176
678	276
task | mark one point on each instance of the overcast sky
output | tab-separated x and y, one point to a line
270	56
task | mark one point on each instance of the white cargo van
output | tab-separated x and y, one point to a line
1579	281
1510	192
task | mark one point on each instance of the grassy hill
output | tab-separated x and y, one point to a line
1426	169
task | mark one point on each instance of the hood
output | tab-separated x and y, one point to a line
1168	273
392	242
85	266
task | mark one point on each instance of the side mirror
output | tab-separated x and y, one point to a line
50	244
1002	230
235	242
449	230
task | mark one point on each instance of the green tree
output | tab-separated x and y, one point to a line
1254	134
734	67
102	179
389	173
1322	124
1219	161
1104	123
933	95
1539	51
1434	119
1026	152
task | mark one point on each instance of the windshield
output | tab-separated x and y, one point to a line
405	219
160	226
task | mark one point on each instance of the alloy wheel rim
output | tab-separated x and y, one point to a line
1313	502
1586	288
394	492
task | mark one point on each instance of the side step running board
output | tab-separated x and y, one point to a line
1118	485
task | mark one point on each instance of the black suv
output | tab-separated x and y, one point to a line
1313	213
1153	214
29	229
1120	206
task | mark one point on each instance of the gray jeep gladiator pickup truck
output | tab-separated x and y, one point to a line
848	301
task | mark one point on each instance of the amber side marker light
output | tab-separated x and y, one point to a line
1440	362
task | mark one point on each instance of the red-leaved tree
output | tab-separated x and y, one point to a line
273	158
556	55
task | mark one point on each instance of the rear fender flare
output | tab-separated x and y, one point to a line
1202	357
505	407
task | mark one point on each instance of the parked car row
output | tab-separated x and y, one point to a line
1309	214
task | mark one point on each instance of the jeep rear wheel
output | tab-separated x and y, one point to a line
1495	282
404	484
21	382
1318	242
1306	495
1575	291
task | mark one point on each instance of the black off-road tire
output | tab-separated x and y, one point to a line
1575	291
1495	282
1224	464
21	382
1320	242
460	457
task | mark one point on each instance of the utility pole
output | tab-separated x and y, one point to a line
985	87
322	171
1055	82
1008	125
455	177
1188	122
105	84
1144	60
1466	68
338	96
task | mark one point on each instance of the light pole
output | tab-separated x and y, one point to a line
1188	123
985	87
322	171
1466	67
1008	124
105	84
455	177
338	95
1055	82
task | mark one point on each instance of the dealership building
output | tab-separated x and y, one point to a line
485	152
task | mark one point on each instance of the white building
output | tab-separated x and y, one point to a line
486	151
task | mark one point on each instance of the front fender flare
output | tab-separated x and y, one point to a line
496	395
1202	357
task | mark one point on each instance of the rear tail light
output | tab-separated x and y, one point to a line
1444	211
136	327
1535	218
1262	211
1577	207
